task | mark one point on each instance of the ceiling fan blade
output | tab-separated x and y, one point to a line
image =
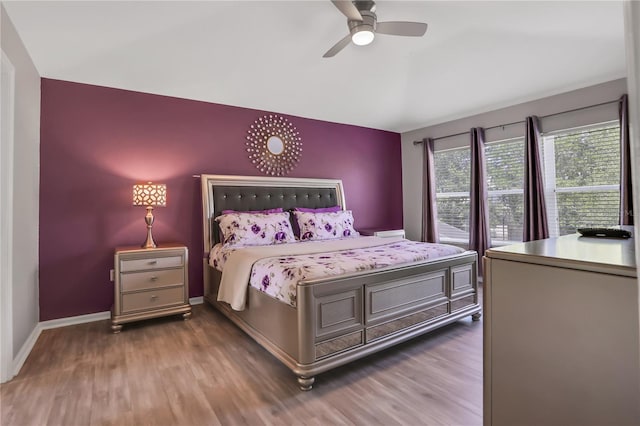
338	46
411	29
348	9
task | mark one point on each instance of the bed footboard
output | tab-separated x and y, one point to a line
345	318
341	319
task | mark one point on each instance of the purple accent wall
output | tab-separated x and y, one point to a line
96	142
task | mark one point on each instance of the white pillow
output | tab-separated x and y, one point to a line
255	229
325	226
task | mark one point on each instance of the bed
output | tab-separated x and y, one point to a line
336	318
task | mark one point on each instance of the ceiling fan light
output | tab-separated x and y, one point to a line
362	37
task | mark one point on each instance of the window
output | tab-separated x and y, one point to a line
505	180
453	171
582	177
505	168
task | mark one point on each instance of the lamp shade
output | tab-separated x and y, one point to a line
150	194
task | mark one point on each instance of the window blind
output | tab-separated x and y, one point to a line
453	171
505	179
582	178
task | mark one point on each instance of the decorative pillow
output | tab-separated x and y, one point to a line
324	226
267	211
255	229
296	229
332	209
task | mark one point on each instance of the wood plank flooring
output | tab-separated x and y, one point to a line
208	372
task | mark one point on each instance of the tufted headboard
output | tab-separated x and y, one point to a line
220	192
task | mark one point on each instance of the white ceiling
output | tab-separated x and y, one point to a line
476	56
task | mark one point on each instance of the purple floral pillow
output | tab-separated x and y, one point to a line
255	229
325	226
333	209
276	210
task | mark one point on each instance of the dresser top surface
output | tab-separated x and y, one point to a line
150	251
573	251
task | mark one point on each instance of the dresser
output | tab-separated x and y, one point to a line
561	333
150	283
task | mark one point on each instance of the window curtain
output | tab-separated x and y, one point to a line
536	226
429	207
626	193
479	235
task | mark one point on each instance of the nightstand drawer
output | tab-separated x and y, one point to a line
150	263
152	299
152	279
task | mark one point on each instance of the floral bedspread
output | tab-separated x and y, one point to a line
278	276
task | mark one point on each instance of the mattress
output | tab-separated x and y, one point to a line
276	270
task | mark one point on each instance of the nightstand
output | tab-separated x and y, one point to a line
150	283
382	232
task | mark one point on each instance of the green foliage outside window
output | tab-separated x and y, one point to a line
453	170
587	169
505	172
587	158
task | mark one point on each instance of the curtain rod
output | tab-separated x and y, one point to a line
523	121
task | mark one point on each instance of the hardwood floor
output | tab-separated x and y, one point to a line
207	371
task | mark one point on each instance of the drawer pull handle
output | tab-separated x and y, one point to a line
154	298
153	262
154	278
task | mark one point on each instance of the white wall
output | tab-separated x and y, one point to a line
412	158
632	42
26	164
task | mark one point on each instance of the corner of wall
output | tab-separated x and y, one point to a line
411	187
25	350
26	178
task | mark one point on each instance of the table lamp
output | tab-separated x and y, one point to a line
149	195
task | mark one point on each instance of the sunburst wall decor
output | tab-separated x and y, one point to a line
274	145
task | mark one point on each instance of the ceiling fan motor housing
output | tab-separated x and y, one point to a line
368	23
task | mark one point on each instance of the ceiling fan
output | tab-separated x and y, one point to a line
363	25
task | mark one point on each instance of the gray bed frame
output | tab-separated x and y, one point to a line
338	319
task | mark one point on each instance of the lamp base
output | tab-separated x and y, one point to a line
149	243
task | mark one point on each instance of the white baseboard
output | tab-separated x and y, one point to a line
80	319
197	300
26	348
98	316
28	345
